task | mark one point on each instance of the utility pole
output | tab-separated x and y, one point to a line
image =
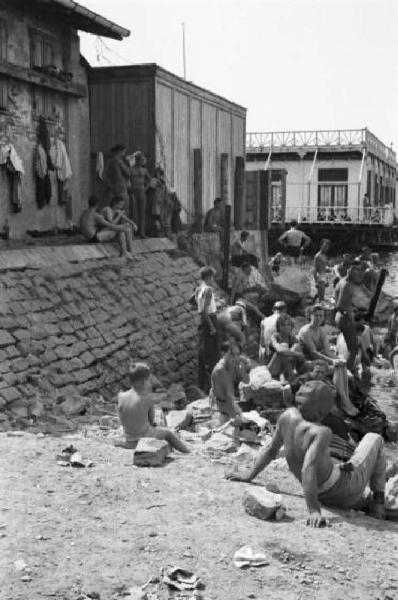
184	53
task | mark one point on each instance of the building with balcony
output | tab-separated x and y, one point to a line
340	177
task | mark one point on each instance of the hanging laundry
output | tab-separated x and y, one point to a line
43	137
60	159
43	183
99	165
14	166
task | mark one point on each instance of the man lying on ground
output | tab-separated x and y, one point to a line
96	229
306	442
136	412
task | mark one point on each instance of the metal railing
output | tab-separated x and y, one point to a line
328	138
329	215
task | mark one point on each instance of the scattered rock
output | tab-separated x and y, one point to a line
200	410
391	497
262	504
179	419
219	444
151	452
73	406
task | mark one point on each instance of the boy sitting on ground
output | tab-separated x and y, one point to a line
285	360
136	412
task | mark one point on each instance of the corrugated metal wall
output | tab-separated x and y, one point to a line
184	122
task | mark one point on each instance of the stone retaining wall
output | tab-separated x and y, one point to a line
73	328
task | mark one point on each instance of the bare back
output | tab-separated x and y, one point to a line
300	437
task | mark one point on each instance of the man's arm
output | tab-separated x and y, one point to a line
267	455
207	297
306	341
282	239
319	445
100	220
307	240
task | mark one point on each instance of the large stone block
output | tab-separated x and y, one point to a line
151	452
10	394
5	338
262	504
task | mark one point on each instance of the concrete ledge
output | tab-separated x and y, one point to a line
45	256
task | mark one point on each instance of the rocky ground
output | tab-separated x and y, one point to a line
104	531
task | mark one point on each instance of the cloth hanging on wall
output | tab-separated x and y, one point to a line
43	183
63	170
99	165
43	137
15	169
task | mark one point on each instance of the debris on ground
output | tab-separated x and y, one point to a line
391	497
179	419
262	504
70	457
249	557
181	579
151	452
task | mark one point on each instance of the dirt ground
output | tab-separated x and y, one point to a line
106	529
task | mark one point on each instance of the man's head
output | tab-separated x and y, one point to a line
395	305
207	274
355	273
293	223
246	268
119	150
140	376
317	315
93	202
244	236
360	317
347	259
118	203
319	370
139	158
217	203
315	400
366	252
284	324
325	245
279	307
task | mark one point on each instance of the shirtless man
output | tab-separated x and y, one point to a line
294	241
321	268
306	444
140	179
231	369
137	414
115	214
95	228
345	313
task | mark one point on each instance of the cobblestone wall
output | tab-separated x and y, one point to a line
73	328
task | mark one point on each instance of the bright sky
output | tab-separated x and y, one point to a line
294	64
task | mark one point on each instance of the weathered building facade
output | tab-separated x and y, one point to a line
197	136
43	84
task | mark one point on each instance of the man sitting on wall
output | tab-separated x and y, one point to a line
249	282
137	415
306	442
213	218
96	229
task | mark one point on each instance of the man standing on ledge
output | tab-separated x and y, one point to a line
208	354
294	241
306	443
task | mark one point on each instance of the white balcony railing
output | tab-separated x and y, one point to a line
337	215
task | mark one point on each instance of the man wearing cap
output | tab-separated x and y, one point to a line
208	353
306	444
136	412
268	329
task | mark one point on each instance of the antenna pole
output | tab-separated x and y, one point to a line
184	54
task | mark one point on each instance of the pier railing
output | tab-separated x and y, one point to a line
329	215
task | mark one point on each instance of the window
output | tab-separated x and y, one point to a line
48	104
41	49
332	194
3	93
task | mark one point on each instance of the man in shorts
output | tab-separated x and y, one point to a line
96	229
306	443
294	241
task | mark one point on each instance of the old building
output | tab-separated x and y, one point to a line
44	97
196	135
328	180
